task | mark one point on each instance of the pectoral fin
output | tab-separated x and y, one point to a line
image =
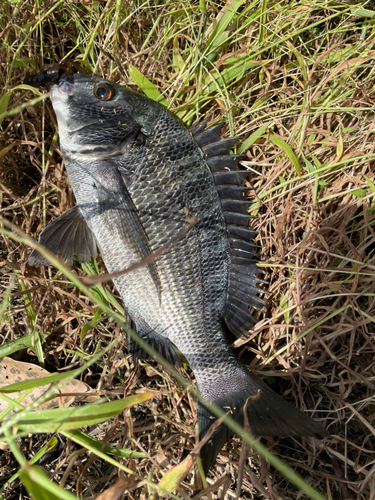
129	223
68	235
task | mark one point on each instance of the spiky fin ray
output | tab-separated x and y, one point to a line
242	290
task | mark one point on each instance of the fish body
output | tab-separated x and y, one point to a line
139	175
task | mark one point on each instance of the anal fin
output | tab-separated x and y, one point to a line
159	343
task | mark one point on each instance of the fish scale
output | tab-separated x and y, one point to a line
139	175
189	257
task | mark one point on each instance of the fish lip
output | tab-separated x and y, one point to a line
51	74
63	89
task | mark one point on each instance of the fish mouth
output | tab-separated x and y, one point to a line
59	80
55	74
52	74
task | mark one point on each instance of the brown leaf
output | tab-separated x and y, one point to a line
115	491
12	371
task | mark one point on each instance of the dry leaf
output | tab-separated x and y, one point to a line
115	491
12	371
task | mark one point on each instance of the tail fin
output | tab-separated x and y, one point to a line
268	415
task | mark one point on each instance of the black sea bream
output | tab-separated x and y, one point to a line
139	175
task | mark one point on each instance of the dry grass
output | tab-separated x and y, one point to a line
305	70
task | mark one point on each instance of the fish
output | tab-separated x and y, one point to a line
139	175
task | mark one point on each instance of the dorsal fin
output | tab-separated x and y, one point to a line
199	126
240	206
220	147
228	192
242	290
222	163
209	135
226	177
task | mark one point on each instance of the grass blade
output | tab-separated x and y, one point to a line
278	141
63	419
253	138
146	86
40	486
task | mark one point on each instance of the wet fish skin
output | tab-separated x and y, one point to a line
138	174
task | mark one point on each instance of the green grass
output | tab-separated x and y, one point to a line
295	80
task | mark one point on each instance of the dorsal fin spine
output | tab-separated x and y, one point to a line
242	289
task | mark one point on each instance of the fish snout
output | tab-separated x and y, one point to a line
52	74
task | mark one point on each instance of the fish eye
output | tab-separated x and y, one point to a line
104	91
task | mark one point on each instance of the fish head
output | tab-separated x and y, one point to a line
96	118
